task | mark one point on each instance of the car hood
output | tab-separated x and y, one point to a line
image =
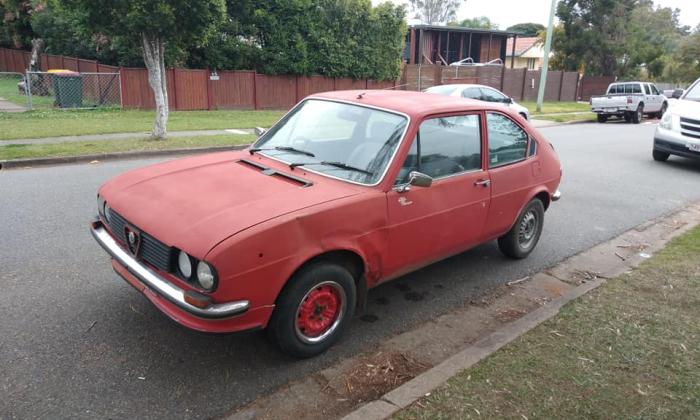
685	108
195	203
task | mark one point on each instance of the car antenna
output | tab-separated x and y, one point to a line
361	95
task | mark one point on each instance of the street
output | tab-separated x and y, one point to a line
77	341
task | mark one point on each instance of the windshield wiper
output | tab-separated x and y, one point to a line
283	149
340	165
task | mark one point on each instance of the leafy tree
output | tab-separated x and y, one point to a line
481	22
153	25
592	35
16	29
684	63
435	11
527	29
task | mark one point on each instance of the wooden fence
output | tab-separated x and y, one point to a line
520	84
196	89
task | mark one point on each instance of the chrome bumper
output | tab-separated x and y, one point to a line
556	196
160	285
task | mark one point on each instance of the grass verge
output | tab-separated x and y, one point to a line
107	146
565	118
630	349
52	123
556	107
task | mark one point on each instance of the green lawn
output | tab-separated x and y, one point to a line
88	148
564	118
50	123
556	107
9	91
630	349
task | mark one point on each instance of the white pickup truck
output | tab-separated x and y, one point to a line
629	100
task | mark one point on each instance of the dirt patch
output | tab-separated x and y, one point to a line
373	376
508	315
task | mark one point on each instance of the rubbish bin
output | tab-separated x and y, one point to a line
68	88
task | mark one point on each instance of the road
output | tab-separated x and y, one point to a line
77	341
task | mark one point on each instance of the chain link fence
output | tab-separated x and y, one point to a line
12	98
69	90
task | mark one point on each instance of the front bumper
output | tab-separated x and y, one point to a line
675	143
556	196
159	285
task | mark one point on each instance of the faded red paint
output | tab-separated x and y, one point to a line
257	230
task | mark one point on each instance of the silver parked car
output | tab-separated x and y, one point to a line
481	93
678	133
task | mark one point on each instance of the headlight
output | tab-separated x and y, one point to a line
184	264
670	122
205	276
107	213
101	205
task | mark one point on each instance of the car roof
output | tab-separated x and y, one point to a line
466	85
414	104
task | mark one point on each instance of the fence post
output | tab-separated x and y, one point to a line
503	76
255	90
209	89
522	96
121	87
561	83
28	89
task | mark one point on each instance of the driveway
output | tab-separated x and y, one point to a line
78	342
7	106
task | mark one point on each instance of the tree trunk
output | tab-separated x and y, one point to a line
154	57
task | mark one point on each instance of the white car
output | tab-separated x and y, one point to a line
678	133
481	93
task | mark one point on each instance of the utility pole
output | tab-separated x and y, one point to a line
545	61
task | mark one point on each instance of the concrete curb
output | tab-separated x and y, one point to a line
424	383
29	163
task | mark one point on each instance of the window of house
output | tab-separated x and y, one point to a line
444	147
507	141
531	63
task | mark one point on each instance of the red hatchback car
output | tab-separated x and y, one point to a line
350	189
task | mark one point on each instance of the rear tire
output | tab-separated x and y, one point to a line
638	115
522	238
313	310
602	118
660	156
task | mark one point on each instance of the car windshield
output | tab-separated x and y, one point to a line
693	93
350	142
441	90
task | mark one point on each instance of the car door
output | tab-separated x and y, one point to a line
513	168
425	224
651	103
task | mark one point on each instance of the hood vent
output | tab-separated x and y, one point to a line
266	170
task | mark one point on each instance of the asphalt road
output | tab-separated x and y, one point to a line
77	341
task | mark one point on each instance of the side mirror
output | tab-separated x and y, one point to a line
677	94
509	100
259	131
417	179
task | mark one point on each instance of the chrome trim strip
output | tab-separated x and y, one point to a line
342	101
556	196
160	285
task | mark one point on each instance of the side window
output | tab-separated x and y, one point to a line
646	89
654	90
492	96
444	147
636	88
507	141
471	93
532	151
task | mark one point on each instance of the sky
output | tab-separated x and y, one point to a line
509	12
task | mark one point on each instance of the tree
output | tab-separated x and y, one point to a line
684	63
16	29
527	29
435	11
153	25
482	22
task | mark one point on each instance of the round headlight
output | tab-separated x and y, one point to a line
184	264
101	205
107	212
205	276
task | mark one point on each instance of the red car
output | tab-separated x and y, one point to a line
349	190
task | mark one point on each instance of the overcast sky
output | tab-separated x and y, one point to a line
509	12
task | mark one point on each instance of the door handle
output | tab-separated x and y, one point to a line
482	183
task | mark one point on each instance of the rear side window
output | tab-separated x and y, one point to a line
444	147
507	141
615	89
471	93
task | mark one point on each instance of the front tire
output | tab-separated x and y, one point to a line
522	238
313	310
660	156
602	118
662	111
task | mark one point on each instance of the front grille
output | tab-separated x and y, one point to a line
690	127
676	148
151	250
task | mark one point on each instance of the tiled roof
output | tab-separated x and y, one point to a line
521	45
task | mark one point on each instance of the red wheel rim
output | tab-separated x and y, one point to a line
320	311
